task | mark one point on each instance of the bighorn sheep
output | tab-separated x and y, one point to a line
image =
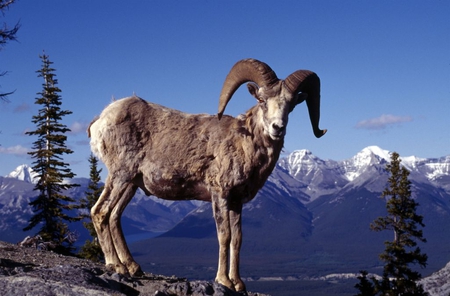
179	156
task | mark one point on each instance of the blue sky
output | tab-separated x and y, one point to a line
384	67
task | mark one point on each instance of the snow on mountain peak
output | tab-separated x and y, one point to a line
369	156
313	171
300	161
299	155
25	173
375	150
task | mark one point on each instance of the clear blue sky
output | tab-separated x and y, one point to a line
384	66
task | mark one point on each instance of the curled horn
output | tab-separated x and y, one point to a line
242	72
308	83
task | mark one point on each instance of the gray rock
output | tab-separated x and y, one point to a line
28	271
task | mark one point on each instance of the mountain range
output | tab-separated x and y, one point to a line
310	219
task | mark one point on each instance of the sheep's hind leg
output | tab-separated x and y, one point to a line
116	232
235	246
220	210
100	214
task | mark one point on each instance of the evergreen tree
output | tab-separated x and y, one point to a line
51	205
365	287
402	219
6	34
91	249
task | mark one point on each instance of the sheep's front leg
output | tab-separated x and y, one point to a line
221	212
236	242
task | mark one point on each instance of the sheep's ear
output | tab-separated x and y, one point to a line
253	90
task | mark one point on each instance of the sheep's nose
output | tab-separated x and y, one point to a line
278	128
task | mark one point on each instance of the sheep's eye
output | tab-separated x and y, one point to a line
263	104
262	99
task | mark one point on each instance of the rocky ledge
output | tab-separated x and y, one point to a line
28	271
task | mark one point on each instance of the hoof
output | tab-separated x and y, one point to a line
239	286
135	270
119	268
226	282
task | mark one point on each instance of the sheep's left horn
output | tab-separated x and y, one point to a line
308	82
242	72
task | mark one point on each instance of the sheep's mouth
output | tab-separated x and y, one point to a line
277	136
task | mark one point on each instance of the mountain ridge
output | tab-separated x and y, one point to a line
304	165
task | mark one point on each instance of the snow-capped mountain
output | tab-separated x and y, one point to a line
24	173
316	177
362	161
142	216
437	284
321	177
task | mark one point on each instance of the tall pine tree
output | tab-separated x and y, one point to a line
402	252
51	205
91	249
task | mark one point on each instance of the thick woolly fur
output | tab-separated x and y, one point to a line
176	156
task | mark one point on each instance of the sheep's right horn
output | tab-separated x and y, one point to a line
307	82
242	72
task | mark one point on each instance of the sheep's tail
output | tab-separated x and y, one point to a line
93	133
89	127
